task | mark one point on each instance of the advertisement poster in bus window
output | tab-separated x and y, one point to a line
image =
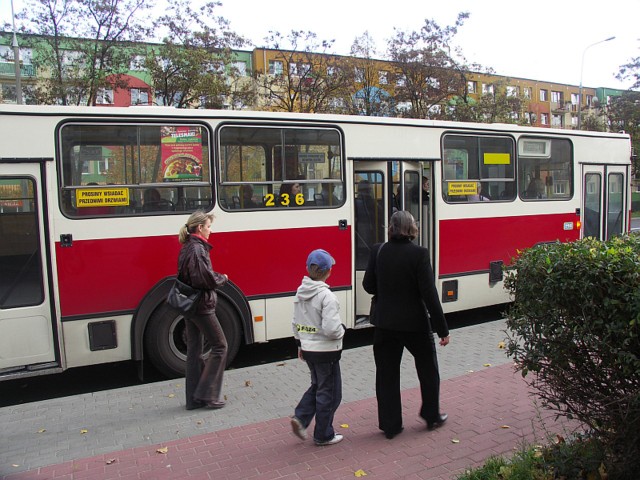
181	153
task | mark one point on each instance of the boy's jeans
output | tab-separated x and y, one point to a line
321	399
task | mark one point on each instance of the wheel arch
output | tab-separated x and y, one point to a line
157	295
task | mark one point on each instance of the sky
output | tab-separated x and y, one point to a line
549	40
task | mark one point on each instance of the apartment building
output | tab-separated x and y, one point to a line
545	103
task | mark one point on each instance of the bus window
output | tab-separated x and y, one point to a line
280	168
369	214
592	202
478	168
20	261
615	202
544	169
131	169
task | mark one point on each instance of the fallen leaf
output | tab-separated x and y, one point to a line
505	426
199	422
83	431
486	365
280	364
110	461
469	371
501	345
15	465
162	450
344	425
455	440
360	473
171	395
247	383
42	430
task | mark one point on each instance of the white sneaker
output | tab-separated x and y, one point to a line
337	438
298	429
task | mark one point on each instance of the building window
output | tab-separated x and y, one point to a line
556	97
512	91
472	86
293	69
544	119
104	96
275	67
383	77
139	96
401	81
240	68
359	73
544	95
487	89
575	99
137	63
574	121
556	120
527	92
9	93
331	70
589	100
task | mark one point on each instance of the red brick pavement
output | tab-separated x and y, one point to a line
490	413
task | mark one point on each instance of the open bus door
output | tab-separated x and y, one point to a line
605	201
380	188
28	330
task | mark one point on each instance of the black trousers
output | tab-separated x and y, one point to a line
204	376
388	346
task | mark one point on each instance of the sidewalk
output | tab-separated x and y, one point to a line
144	432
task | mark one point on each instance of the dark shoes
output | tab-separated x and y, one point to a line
389	435
202	404
438	422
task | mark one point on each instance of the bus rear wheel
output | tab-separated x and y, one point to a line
166	343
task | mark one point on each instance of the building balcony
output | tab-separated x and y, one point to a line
8	69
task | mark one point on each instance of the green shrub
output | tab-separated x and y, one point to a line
574	324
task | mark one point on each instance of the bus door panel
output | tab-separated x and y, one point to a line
380	188
605	201
27	326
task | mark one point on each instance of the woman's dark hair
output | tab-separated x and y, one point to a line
402	225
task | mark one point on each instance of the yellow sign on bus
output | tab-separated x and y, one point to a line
462	188
102	197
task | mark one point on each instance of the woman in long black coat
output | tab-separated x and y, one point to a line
407	312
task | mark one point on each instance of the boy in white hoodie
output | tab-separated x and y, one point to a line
318	331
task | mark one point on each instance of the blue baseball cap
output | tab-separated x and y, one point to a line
321	258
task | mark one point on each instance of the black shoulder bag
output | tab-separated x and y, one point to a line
183	298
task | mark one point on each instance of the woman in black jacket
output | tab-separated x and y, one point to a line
407	311
203	377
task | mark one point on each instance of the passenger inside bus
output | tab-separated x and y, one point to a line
535	189
288	192
152	201
246	197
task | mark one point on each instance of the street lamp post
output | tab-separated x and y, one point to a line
581	71
16	59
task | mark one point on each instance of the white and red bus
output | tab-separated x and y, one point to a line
91	200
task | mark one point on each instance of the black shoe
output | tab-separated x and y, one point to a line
195	405
437	423
390	435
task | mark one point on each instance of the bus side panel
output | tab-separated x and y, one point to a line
470	244
113	275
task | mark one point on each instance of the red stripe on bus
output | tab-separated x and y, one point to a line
470	244
109	275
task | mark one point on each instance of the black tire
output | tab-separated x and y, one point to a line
165	339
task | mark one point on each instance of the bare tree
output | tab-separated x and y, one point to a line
193	66
83	44
429	70
365	79
309	77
